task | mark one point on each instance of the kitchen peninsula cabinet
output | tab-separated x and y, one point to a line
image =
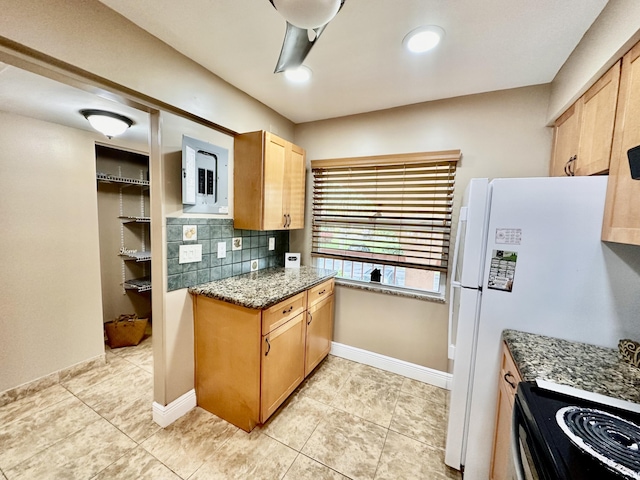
583	134
622	217
248	358
507	386
269	182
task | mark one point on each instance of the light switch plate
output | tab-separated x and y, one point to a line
272	243
190	253
222	249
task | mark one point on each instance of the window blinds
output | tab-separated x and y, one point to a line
393	210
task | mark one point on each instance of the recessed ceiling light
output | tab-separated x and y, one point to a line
423	39
298	75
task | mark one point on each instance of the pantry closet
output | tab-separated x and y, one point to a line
122	179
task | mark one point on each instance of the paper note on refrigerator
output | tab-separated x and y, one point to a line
502	270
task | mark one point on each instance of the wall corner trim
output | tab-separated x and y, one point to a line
165	415
393	365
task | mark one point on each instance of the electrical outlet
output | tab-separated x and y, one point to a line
272	243
254	265
222	249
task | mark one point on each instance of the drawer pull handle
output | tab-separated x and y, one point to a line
322	291
268	347
284	312
310	318
506	379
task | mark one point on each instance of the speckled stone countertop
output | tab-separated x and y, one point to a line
587	367
263	288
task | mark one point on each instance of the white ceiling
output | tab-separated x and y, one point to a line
358	63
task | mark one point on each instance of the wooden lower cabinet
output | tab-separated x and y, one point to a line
507	386
249	361
282	364
319	333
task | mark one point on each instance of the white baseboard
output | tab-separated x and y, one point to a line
166	415
393	365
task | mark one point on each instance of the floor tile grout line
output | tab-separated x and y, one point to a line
381	453
40	452
40	408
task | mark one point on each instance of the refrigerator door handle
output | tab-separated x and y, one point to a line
456	248
455	283
451	350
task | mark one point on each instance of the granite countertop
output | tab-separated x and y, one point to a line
579	365
263	288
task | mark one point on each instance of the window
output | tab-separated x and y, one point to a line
390	212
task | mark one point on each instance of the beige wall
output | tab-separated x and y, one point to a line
614	32
176	367
50	285
501	134
81	33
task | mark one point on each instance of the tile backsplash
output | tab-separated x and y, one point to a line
255	246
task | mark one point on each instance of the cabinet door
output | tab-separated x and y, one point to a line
622	216
319	333
502	438
295	180
507	386
598	118
282	367
275	162
566	136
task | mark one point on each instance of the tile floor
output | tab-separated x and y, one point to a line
346	421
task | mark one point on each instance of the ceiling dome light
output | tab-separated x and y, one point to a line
301	74
423	39
108	123
307	14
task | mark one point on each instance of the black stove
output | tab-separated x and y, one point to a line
569	438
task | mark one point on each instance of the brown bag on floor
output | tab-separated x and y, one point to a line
125	331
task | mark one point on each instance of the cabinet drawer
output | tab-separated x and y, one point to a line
509	375
275	316
320	292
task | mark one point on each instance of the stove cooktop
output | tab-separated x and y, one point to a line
580	439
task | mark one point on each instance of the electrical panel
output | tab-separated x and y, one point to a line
205	178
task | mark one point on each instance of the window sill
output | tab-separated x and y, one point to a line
389	290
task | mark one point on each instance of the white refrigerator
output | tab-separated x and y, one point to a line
528	257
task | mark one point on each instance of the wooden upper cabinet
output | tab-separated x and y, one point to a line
566	138
583	134
622	217
269	182
598	119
